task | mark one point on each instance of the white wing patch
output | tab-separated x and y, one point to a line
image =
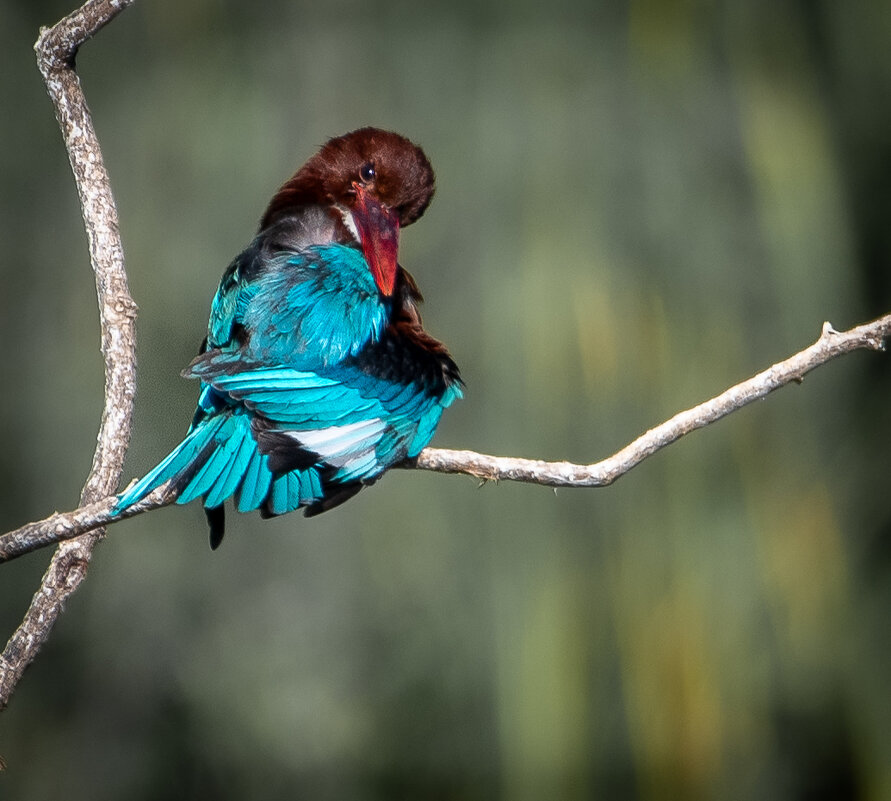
340	446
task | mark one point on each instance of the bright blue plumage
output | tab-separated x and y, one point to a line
314	378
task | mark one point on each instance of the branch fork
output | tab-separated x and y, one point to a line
76	533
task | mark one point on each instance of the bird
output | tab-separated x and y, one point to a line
316	374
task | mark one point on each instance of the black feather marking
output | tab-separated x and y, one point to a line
216	362
401	360
182	479
216	519
340	495
285	453
405	353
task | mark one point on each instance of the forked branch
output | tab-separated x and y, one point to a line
830	345
56	52
77	532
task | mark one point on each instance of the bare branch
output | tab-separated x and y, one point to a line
63	526
80	530
830	345
56	52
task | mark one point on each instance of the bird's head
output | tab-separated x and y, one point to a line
374	182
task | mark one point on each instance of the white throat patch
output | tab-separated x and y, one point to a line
349	222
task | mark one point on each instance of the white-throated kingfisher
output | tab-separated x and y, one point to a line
316	374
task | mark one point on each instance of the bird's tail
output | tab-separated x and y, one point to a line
218	459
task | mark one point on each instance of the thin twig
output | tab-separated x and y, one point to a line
56	52
830	345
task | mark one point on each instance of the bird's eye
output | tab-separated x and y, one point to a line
366	172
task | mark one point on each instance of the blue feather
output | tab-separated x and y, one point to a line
293	491
296	370
215	466
319	307
177	462
278	499
255	486
230	478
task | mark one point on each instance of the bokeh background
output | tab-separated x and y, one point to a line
639	203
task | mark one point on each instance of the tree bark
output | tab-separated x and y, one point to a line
56	52
79	531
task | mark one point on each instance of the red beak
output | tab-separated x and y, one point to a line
379	232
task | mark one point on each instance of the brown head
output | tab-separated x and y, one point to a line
374	182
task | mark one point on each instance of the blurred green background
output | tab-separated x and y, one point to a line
639	203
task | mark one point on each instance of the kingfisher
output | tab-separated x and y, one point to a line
316	374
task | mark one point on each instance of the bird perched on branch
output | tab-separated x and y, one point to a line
316	374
